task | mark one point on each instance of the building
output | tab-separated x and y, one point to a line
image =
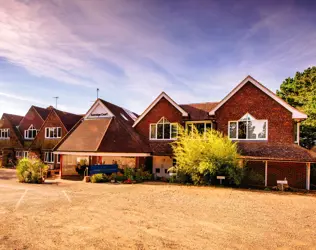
57	124
265	127
28	128
104	136
10	138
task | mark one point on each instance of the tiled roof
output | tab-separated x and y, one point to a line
114	134
43	112
86	137
161	147
14	119
199	111
68	119
283	152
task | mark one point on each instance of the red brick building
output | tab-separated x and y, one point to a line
104	136
57	124
265	127
10	138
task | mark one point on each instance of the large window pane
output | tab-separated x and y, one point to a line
263	130
189	128
174	131
153	131
233	130
167	131
242	130
200	127
159	131
208	126
252	130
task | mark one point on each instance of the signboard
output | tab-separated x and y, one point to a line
99	111
103	169
282	182
220	177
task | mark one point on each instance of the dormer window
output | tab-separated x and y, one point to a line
163	130
30	133
248	128
53	132
4	133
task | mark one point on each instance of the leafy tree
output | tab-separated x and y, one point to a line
300	92
202	156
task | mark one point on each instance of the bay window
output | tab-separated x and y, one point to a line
248	128
30	133
163	130
4	133
53	132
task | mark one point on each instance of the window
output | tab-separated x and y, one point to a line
21	154
296	132
201	126
248	128
49	157
30	133
163	130
166	171
4	133
58	159
54	132
157	170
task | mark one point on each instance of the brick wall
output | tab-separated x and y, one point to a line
13	141
43	143
295	173
250	99
32	117
162	108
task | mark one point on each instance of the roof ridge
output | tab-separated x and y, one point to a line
197	103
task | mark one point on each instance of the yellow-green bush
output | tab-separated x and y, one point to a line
203	156
31	170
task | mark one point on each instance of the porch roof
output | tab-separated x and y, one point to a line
277	152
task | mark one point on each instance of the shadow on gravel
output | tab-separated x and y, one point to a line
7	174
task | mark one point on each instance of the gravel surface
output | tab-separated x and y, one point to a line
77	215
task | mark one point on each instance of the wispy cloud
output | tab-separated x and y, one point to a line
133	50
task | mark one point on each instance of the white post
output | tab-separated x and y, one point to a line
308	175
266	174
298	133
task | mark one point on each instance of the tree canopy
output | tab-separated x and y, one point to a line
203	156
300	92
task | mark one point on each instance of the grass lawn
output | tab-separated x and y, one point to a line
77	215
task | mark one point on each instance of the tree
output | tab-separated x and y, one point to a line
300	92
202	156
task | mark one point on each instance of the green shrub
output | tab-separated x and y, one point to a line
99	178
120	178
31	170
129	173
202	156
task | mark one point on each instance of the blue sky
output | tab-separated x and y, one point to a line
194	50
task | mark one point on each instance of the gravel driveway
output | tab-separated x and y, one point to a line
77	215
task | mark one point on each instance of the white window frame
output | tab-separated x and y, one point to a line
4	131
163	130
237	129
21	154
48	130
46	157
26	133
196	122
